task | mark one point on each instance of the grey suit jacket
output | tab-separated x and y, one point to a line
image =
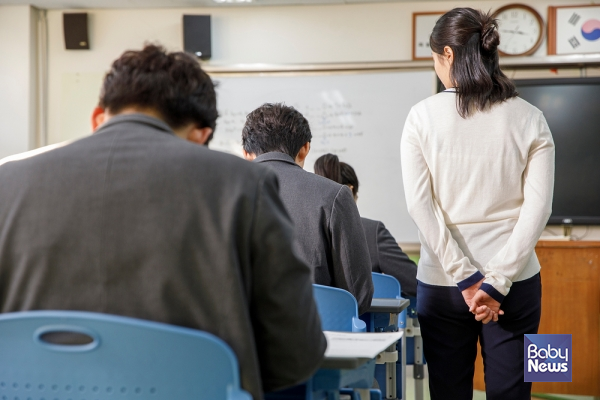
388	258
330	235
137	222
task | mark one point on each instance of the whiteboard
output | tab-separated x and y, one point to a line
358	116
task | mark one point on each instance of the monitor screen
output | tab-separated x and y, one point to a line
572	108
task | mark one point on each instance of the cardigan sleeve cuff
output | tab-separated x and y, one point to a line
470	281
494	294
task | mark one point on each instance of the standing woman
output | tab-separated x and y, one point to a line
478	170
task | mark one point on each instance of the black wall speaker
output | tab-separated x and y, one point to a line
196	35
76	31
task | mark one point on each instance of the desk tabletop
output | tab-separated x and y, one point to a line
388	305
349	350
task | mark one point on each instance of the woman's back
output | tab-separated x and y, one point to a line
478	172
477	163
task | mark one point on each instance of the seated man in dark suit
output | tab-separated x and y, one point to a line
135	221
329	231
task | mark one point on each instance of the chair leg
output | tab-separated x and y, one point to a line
333	395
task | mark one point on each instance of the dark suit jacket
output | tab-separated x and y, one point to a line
137	222
388	258
329	231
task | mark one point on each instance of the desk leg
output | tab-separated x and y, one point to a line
390	372
391	384
419	368
403	366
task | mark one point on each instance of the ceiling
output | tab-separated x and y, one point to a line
89	4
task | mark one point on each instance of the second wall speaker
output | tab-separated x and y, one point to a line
196	35
75	27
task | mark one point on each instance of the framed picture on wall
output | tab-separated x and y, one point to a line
423	23
574	29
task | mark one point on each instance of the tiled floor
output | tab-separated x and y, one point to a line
477	395
410	386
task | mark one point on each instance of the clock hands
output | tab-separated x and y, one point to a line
516	30
511	36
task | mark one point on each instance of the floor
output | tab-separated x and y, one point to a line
477	395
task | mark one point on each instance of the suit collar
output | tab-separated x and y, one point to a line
276	156
137	118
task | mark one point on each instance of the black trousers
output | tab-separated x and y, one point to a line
450	333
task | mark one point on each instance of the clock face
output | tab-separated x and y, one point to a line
520	30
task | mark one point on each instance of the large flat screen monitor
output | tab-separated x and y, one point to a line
572	108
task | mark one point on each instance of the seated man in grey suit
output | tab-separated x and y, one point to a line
329	231
133	220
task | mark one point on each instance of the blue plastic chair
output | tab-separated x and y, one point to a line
386	286
339	312
338	309
116	357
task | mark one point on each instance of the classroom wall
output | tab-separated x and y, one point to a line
17	79
273	35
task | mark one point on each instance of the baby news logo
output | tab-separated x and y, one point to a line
548	358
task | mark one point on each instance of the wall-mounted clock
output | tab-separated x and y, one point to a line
521	30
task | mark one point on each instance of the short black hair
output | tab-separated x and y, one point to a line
171	83
275	127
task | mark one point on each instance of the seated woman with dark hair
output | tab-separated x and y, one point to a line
386	256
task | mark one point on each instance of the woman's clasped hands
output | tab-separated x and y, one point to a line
481	304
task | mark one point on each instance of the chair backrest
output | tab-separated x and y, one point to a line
338	309
386	286
117	357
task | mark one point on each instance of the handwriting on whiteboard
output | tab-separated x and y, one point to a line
332	124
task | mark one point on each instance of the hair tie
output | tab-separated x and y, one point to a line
486	31
489	39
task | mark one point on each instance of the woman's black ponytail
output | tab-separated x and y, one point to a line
330	167
475	72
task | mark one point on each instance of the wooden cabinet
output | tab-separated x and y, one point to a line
570	304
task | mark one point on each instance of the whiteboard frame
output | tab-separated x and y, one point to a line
242	70
571	60
316	72
316	68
